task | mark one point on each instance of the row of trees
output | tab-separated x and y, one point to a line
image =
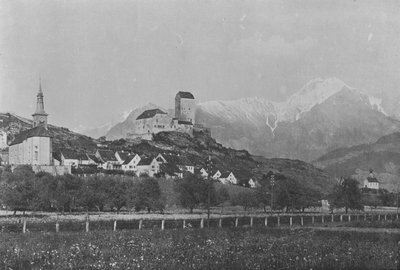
23	190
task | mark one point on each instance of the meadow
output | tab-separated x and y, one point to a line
229	248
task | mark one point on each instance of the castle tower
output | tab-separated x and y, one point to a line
185	106
40	116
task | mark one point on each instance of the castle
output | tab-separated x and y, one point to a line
153	121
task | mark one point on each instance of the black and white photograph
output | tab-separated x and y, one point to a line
199	134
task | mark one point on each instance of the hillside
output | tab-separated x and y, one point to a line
240	162
62	137
382	156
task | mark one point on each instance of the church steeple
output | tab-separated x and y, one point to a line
40	116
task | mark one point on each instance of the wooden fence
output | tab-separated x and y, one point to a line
164	224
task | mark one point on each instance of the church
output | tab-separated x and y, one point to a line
33	146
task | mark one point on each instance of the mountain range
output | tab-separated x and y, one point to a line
323	115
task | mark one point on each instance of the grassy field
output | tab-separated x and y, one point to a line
200	249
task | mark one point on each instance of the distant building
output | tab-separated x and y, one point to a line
371	182
185	107
3	139
148	166
107	159
228	178
130	164
151	122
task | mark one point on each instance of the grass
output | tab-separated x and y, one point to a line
199	249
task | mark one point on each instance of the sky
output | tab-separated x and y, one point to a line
99	59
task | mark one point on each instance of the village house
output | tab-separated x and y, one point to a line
371	182
121	156
73	158
93	160
147	165
216	175
108	159
130	164
228	177
252	183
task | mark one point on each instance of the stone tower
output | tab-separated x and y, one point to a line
185	106
40	116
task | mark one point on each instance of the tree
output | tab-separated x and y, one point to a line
346	195
246	199
94	192
222	197
147	195
118	192
18	189
193	191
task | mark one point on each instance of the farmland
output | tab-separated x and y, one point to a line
233	248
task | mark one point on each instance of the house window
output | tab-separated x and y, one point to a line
36	156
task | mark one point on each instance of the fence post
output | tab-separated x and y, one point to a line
162	224
313	220
302	221
251	222
379	217
279	220
184	224
220	223
140	224
57	225
290	221
24	226
266	222
322	219
115	225
202	223
385	217
236	222
341	218
87	225
332	218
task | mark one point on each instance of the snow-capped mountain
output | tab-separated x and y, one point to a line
322	115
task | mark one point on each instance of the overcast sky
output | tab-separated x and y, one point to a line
98	59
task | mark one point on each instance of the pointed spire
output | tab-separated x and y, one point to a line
40	86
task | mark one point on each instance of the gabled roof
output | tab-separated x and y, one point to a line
145	161
56	156
225	174
372	180
169	168
129	159
39	131
178	160
107	155
94	158
182	94
123	155
150	114
71	154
